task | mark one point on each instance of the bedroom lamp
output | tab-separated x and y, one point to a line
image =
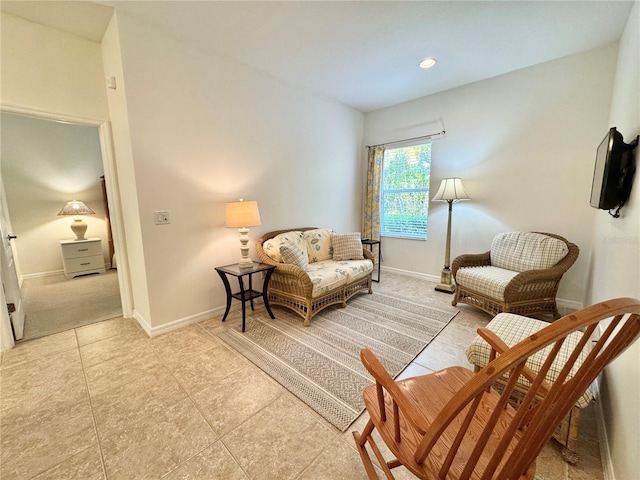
77	208
242	215
450	191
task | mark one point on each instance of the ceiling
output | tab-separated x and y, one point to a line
364	54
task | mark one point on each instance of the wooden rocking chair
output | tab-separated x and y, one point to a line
453	425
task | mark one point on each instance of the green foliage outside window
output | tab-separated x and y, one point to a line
404	192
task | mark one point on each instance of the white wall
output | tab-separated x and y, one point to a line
44	165
205	130
524	144
50	71
616	267
111	56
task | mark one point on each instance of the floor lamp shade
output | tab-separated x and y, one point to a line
242	215
77	208
451	190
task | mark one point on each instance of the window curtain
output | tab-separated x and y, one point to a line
371	224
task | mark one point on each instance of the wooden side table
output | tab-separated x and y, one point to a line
371	243
244	295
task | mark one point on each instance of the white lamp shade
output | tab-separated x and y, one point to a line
451	189
242	214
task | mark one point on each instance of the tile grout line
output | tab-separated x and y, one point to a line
93	416
195	405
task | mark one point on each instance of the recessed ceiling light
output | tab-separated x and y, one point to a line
427	62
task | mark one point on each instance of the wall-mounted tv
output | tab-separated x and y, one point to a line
613	173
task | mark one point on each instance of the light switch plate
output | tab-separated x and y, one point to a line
162	217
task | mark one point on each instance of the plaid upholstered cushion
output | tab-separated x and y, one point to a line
522	251
512	329
489	281
347	246
293	254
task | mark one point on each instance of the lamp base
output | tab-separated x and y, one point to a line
445	284
245	263
79	228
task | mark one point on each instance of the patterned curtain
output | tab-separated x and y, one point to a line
371	225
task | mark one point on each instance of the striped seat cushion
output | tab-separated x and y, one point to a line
489	281
512	328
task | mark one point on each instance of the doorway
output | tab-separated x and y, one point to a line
47	160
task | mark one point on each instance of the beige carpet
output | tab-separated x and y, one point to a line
321	364
54	304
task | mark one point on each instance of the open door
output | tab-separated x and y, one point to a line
10	284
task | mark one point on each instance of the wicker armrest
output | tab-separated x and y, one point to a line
368	255
470	260
533	280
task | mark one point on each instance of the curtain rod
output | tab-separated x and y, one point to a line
422	137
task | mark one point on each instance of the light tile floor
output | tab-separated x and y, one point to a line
106	402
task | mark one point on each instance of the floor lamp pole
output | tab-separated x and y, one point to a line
445	284
451	190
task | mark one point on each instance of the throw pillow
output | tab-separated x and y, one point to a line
272	246
347	246
294	255
319	246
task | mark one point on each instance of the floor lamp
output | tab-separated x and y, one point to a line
450	191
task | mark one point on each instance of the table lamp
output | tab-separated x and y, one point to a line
77	208
242	215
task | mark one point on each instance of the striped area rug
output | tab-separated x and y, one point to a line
321	364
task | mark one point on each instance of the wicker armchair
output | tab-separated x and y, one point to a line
496	289
290	286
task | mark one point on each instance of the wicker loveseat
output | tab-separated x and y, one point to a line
520	274
310	273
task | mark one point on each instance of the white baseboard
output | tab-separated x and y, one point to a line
28	276
39	275
603	440
176	324
565	307
425	276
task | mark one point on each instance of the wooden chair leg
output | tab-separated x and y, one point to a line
361	441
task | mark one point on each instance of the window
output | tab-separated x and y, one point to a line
404	194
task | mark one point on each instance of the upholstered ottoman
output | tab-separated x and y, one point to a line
512	328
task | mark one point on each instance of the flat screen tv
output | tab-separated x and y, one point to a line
613	171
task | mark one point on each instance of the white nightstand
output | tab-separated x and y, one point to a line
81	257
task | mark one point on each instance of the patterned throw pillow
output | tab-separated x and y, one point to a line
272	246
347	246
294	255
319	246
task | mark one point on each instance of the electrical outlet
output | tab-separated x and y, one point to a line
162	217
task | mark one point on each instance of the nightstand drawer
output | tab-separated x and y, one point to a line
81	264
82	257
81	249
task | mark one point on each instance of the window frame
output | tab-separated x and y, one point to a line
384	191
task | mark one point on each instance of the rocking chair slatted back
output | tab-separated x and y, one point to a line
452	425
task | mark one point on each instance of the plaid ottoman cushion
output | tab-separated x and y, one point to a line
512	329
